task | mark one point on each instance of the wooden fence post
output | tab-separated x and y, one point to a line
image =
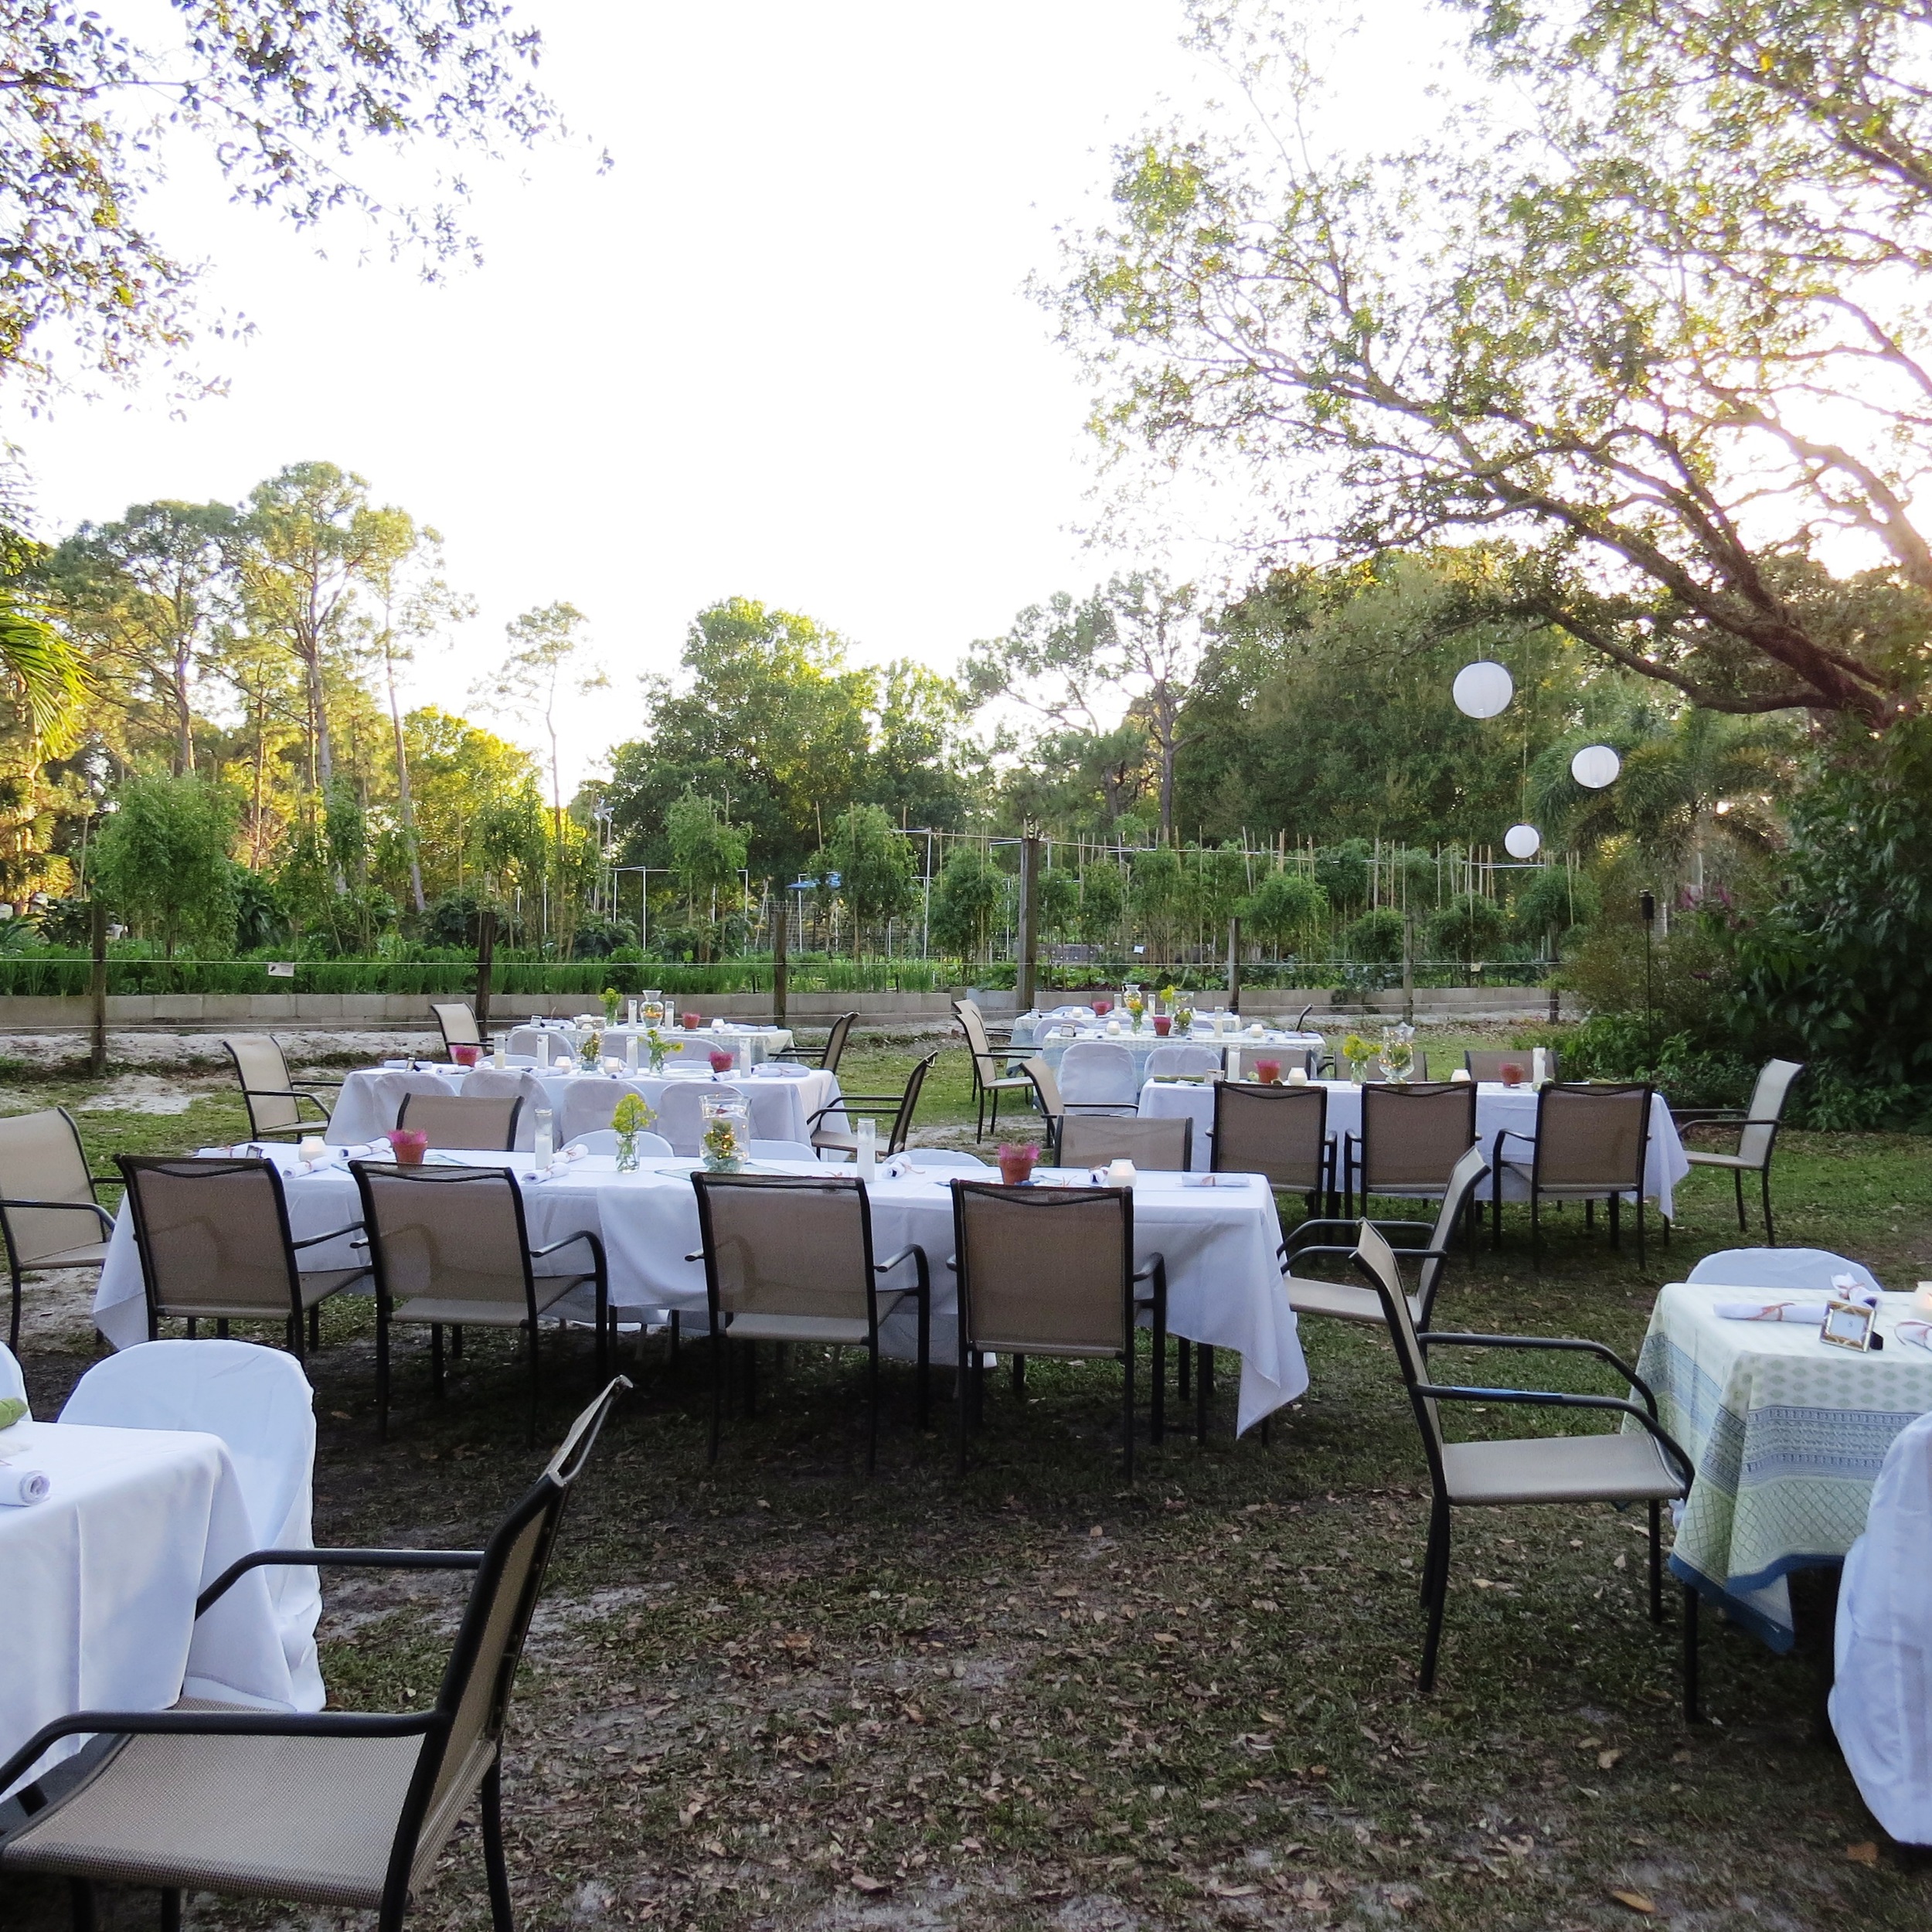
1234	964
486	966
780	955
1026	977
98	986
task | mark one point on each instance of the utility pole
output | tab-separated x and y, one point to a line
485	965
1027	975
97	985
1234	964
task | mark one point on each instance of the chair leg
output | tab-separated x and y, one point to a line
1771	1232
1203	1389
1156	1421
751	1380
1640	1224
1617	1220
1737	1187
498	1873
1435	1584
382	1372
536	1378
1127	1402
81	1905
1656	1563
717	1388
966	1366
1183	1367
672	1345
1693	1712
456	1341
171	1908
1535	1230
315	1326
925	1361
871	1403
13	1326
1019	1378
436	1357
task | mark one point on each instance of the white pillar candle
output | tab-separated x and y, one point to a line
631	1051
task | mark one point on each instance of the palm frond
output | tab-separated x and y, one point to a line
50	678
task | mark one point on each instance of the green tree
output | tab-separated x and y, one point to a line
967	894
162	861
878	875
707	853
1284	909
1469	928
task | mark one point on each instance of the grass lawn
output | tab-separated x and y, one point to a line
769	1693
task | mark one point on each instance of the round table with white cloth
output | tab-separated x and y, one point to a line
557	1038
784	1097
1496	1106
102	1576
1052	1040
1221	1243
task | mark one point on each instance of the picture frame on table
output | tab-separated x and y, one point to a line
1848	1324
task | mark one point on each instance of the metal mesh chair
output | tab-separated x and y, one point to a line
274	1100
1093	1140
789	1258
1039	1076
1590	1144
825	1058
1643	1467
1049	1271
1182	1060
1412	1137
1096	1077
989	1081
451	1249
1350	1301
1280	1132
215	1246
456	1022
1484	1064
50	1211
1757	1135
897	1108
461	1120
336	1809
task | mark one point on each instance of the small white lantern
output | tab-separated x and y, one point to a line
1521	842
1483	689
1595	766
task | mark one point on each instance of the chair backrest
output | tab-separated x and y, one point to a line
1803	1271
1046	1088
1487	1063
474	1696
450	1233
786	1244
1464	1177
1179	1058
1045	1269
1281	1132
974	1027
1412	1135
588	1104
1377	1261
463	1121
1768	1096
835	1042
1160	1145
603	1140
1096	1073
1593	1134
909	1105
457	1021
13	1384
681	1111
256	1399
212	1235
512	1082
264	1074
42	1159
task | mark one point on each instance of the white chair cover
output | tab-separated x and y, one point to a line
1095	1074
387	1090
12	1382
1881	1703
588	1105
1803	1271
604	1141
486	1083
783	1151
560	1044
1181	1057
945	1158
259	1402
681	1112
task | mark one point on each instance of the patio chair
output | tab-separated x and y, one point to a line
825	1058
1038	1077
519	1083
1281	1133
1646	1467
1096	1077
215	1246
989	1081
50	1210
1590	1145
603	1140
1412	1134
1049	1271
1485	1064
897	1108
1181	1060
1349	1301
1162	1146
274	1100
334	1808
1757	1136
460	1121
789	1258
451	1249
456	1022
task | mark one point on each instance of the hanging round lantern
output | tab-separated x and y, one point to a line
1482	689
1595	766
1521	842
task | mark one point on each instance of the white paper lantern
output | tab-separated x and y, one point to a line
1595	766
1482	689
1521	842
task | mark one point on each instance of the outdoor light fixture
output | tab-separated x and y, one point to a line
1521	842
1482	689
1595	766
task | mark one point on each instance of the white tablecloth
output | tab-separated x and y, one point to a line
101	1580
763	1042
1497	1108
1051	1045
1224	1280
781	1103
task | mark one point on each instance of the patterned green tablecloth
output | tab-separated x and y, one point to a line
1787	1433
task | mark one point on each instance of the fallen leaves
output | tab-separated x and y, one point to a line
1637	1902
1219	1889
1865	1853
864	1882
1606	1760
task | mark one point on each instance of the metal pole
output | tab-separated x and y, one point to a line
1647	906
780	954
1408	968
98	986
1026	978
486	966
1234	964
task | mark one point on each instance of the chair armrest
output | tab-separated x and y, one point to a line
1155	1271
582	1234
1389	1228
336	1560
912	1252
94	1208
316	1079
1575	1345
310	1240
698	1257
1551	1398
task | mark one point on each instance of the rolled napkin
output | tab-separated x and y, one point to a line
12	1409
20	1487
1811	1313
1916	1332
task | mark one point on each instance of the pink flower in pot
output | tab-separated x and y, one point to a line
408	1144
1512	1073
1163	1025
1268	1072
1102	1008
691	1022
721	1061
1016	1161
465	1053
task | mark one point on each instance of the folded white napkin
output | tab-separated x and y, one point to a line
782	1070
1813	1313
20	1487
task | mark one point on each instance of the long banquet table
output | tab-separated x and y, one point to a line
1221	1243
101	1578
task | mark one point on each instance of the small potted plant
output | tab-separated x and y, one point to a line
1398	1052
1136	1006
1183	1014
633	1117
654	1045
1017	1161
723	1059
691	1022
408	1144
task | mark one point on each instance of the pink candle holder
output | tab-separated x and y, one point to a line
408	1144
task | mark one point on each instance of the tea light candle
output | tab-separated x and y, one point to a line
310	1148
1461	1074
1922	1300
1120	1174
1297	1076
